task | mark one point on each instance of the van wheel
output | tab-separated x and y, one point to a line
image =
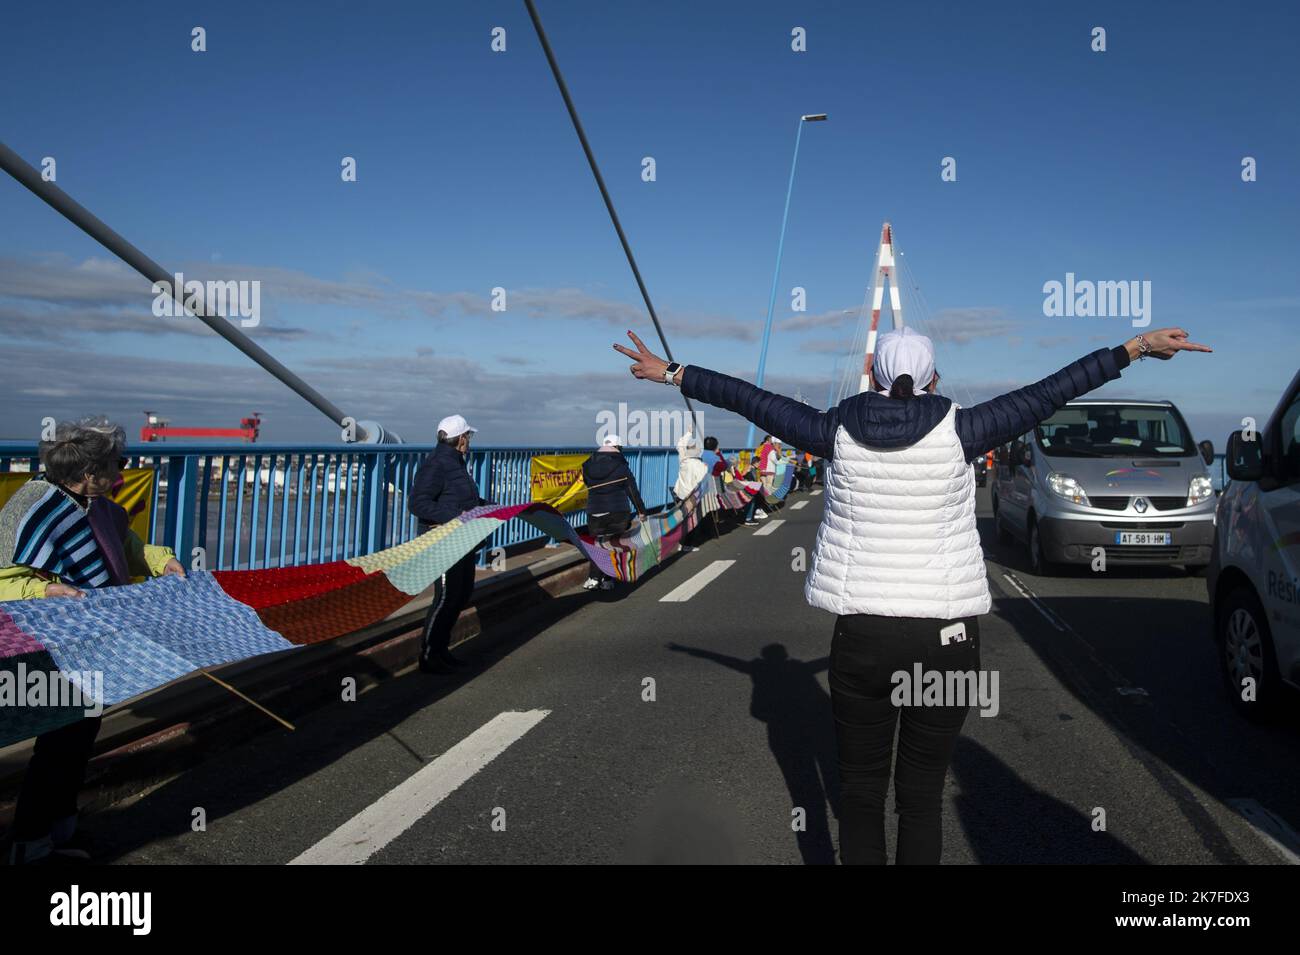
1246	652
1039	565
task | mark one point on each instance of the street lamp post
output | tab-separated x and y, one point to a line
780	246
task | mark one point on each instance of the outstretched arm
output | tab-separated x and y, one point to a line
794	423
995	422
733	663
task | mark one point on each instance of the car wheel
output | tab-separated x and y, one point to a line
1038	562
1246	652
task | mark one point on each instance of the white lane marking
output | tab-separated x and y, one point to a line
816	492
769	527
798	504
393	813
697	583
1037	604
1269	827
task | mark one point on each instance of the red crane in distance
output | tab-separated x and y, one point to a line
158	429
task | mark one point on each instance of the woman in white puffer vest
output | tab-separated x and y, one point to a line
898	555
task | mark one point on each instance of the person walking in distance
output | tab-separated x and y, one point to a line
442	491
610	487
897	557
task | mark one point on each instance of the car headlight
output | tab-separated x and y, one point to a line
1068	488
1200	489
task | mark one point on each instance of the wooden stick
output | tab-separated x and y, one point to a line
221	683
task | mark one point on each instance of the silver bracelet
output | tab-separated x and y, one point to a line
1143	347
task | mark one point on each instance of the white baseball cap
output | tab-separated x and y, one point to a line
454	425
612	441
904	351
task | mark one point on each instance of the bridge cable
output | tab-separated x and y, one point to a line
83	219
600	181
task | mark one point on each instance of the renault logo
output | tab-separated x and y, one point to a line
1140	505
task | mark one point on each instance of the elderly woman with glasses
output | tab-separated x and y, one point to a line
60	535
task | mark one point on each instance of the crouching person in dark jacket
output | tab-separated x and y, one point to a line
610	488
442	491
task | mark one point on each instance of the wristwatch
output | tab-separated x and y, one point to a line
671	372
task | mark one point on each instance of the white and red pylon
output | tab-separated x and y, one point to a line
884	271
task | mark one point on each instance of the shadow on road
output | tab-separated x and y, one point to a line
788	698
1008	821
1147	666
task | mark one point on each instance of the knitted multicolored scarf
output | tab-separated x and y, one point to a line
126	641
43	528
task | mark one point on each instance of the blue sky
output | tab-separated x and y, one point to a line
1123	165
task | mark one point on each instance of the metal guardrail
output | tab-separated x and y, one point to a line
279	505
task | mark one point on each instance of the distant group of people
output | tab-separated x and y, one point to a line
443	489
613	496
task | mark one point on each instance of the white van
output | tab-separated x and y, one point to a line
1254	573
1121	477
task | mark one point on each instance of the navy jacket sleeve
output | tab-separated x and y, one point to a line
632	490
993	423
425	489
796	424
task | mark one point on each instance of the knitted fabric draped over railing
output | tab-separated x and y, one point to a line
60	656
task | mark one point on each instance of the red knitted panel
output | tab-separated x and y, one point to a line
336	612
273	586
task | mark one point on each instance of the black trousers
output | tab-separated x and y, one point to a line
615	522
451	594
866	652
53	778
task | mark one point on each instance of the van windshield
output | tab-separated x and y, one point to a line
1115	431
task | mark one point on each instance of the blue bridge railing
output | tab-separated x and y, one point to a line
257	506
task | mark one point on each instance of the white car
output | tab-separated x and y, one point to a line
1254	572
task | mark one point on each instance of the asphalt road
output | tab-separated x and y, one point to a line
1108	701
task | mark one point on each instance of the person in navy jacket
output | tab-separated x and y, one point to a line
443	490
898	555
611	495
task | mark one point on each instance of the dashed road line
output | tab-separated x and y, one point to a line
397	810
690	588
1037	604
769	527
